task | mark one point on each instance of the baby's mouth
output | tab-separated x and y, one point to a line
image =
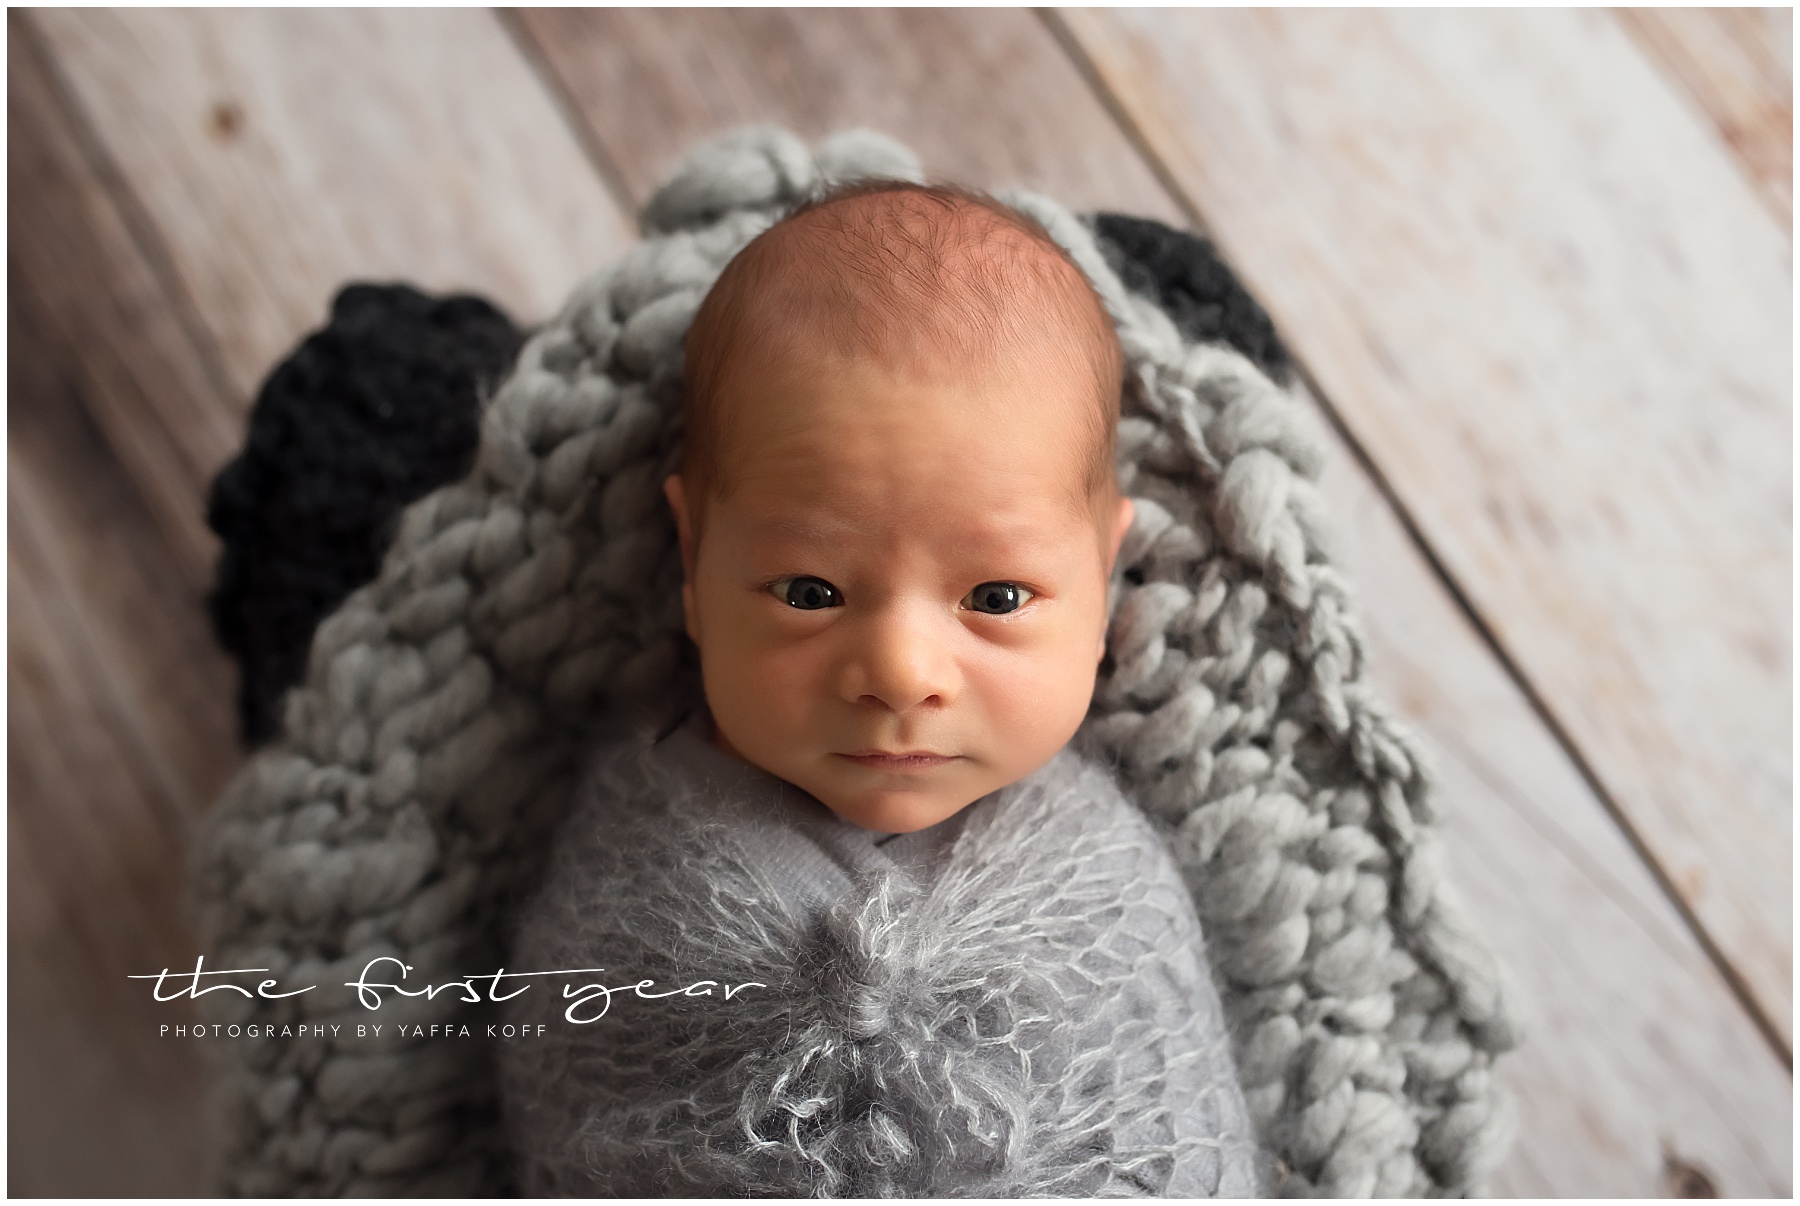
907	760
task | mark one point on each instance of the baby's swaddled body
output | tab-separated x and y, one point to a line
1014	1002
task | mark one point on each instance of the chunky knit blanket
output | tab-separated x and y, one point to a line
1022	1011
531	608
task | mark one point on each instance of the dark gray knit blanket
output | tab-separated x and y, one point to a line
1024	1012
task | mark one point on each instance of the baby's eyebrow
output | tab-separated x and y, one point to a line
1021	535
802	530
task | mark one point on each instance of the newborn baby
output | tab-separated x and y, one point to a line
972	967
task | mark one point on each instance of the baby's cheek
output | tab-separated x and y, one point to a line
1037	699
763	694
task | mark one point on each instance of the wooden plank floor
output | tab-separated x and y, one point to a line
1595	441
1537	267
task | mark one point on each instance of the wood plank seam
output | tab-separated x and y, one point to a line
1084	66
1763	155
132	211
1740	988
1455	745
166	802
66	226
611	175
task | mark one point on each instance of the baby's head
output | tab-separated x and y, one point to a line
897	505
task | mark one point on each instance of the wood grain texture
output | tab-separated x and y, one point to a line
119	731
1543	298
148	378
660	79
187	191
1636	1047
1737	65
281	153
1635	1027
119	724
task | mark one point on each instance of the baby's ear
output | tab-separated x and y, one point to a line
1121	525
676	493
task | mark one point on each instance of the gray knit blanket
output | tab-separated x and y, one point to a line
532	609
1014	1003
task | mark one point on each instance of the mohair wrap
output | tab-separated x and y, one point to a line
1026	1012
532	608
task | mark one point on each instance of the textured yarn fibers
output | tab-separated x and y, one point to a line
367	415
1029	1017
532	607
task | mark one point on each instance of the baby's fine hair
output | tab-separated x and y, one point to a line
908	275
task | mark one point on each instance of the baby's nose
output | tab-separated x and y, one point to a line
901	660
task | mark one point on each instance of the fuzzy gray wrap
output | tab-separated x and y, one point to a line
532	609
1027	1014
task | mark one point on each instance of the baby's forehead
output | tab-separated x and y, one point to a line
855	434
930	286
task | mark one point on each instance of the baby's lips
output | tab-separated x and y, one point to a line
898	760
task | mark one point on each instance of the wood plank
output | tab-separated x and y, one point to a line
129	624
119	731
1637	1050
280	153
928	72
149	379
1543	298
98	1105
1608	1075
89	1125
120	725
1737	65
188	191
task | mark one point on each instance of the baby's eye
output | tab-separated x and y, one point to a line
807	594
997	598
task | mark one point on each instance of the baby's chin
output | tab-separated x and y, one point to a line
896	811
897	800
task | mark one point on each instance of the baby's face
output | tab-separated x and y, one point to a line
900	599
